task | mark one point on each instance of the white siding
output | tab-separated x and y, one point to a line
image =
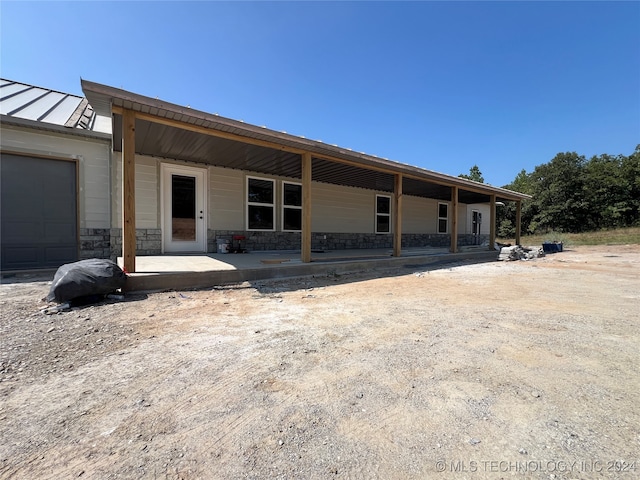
147	191
339	209
485	210
419	215
226	199
336	209
93	167
462	215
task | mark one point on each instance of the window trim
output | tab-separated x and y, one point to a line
283	206
442	218
377	214
258	204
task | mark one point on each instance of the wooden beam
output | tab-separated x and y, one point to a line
129	191
306	207
454	220
421	178
492	223
397	216
209	131
518	220
285	148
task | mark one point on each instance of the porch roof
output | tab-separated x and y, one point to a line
167	130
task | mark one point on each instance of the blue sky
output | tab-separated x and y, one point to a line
440	85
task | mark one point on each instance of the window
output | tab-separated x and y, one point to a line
260	204
291	207
443	218
383	214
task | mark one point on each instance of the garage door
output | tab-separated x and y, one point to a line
38	213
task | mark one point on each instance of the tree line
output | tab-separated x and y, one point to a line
572	194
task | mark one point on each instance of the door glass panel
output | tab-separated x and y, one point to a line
183	208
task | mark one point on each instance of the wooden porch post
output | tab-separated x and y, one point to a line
397	216
454	220
306	207
518	220
129	190
492	223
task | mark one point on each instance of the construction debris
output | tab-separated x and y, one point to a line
517	252
53	309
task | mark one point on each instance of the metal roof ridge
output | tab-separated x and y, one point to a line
75	117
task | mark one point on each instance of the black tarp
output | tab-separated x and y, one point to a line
90	277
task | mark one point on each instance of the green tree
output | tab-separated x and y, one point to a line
474	174
631	173
573	195
506	215
606	192
559	195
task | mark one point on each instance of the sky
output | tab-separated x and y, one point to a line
439	85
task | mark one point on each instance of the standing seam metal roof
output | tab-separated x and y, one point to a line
28	102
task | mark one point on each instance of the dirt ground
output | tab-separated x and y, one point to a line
496	370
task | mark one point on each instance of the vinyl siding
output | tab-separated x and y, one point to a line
226	199
419	215
339	209
93	167
336	209
147	191
462	223
485	210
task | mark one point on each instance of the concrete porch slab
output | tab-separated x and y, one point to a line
176	272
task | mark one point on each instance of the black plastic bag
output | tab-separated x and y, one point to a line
94	276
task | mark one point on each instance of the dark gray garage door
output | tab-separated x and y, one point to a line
39	212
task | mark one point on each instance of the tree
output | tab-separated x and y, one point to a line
606	192
506	215
474	174
571	194
558	195
631	173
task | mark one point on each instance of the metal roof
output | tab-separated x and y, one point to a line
20	101
170	131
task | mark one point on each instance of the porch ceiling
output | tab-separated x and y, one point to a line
205	139
157	140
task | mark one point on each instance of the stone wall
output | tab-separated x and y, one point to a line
255	241
426	240
258	241
346	241
470	239
107	243
95	243
148	242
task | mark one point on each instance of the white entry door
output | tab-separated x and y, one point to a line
184	215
